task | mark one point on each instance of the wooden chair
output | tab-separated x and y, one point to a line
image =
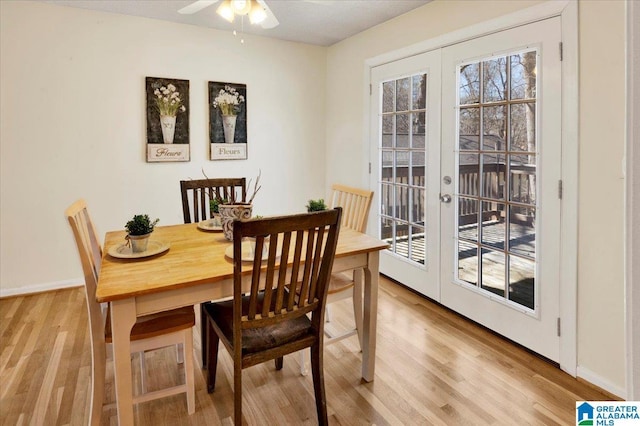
198	193
267	317
149	332
355	204
201	191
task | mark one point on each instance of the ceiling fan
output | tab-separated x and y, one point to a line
257	10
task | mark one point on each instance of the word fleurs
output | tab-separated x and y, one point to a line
166	152
225	151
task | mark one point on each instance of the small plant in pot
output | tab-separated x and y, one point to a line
214	207
139	228
316	206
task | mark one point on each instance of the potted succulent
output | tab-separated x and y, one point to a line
316	205
214	207
139	228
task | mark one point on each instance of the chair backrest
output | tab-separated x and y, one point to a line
201	191
355	205
293	279
90	253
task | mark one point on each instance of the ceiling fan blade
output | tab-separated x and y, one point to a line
196	6
270	21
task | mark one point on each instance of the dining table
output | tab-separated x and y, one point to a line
191	266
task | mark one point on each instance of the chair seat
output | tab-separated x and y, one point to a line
257	339
157	324
340	281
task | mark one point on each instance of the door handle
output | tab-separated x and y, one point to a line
445	198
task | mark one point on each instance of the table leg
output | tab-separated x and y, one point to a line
123	317
371	276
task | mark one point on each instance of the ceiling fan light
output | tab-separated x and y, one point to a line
241	7
225	10
257	14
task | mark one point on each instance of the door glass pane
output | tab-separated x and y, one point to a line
495	79
523	179
468	262
388	96
496	177
404	166
387	131
523	127
469	174
417	244
386	200
469	129
493	175
403	90
419	91
494	125
402	203
493	229
468	219
418	207
521	281
523	75
418	130
522	232
402	130
469	84
386	174
417	169
493	271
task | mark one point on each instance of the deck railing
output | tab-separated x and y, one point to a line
494	186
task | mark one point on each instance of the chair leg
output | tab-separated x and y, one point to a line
318	383
237	392
203	335
304	368
358	279
98	373
279	363
212	355
327	313
188	370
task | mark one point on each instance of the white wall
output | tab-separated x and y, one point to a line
633	201
73	125
601	186
601	303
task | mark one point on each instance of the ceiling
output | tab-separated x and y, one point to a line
319	22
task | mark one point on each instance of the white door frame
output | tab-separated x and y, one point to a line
568	12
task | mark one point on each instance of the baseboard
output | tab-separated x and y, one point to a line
40	288
594	379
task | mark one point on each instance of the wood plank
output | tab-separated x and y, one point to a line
433	367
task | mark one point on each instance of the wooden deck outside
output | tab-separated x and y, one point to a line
522	241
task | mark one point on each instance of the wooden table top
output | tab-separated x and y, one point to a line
194	257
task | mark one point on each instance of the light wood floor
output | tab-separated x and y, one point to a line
432	368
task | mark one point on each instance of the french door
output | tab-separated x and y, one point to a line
406	169
477	190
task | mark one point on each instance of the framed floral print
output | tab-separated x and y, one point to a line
167	119
228	121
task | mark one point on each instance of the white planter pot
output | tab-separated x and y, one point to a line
229	126
231	212
168	124
139	242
